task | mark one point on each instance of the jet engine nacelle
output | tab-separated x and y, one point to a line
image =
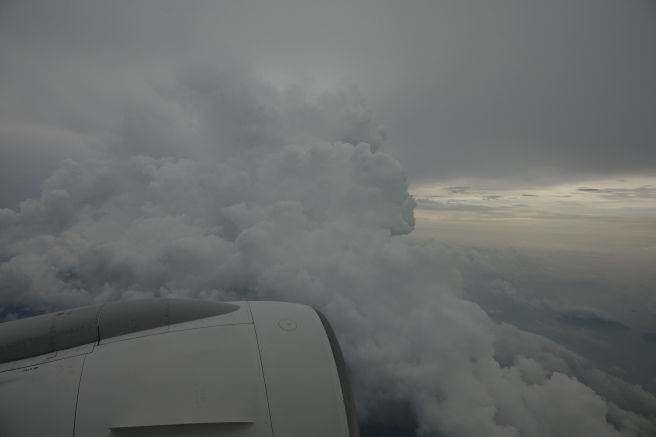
174	367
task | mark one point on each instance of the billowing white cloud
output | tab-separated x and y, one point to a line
234	189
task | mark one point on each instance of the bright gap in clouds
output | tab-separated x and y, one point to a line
607	216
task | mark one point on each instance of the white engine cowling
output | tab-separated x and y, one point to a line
160	367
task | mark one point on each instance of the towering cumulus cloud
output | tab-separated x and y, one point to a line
230	188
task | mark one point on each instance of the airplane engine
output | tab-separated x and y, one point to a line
175	367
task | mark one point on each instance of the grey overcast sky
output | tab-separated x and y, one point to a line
532	92
213	149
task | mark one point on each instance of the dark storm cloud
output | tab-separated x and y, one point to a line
593	321
541	91
508	90
642	192
433	205
458	190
